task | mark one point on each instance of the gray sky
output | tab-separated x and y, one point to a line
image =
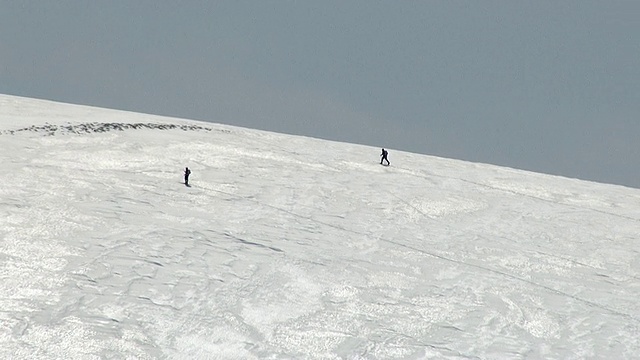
548	86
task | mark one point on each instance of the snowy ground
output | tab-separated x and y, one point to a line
294	248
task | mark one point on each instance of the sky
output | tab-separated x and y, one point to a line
280	249
548	86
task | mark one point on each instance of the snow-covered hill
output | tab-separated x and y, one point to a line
289	247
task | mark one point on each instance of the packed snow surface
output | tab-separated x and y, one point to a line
288	247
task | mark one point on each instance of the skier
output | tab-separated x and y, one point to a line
187	172
384	157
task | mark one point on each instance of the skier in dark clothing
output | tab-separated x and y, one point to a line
187	172
384	157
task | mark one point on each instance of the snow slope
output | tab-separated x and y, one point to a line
289	247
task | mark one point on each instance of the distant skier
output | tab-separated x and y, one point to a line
384	157
187	172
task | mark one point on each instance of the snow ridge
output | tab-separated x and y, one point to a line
288	247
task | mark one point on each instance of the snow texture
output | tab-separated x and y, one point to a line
288	247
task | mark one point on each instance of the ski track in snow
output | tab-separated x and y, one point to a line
291	247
